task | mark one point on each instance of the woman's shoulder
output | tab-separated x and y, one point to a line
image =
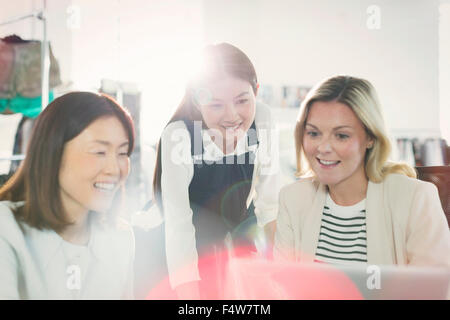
7	219
174	132
303	188
5	208
10	230
396	182
176	137
402	191
8	206
178	124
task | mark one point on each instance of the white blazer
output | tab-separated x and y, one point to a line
33	264
404	218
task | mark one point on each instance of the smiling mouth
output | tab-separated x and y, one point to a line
327	163
232	128
105	187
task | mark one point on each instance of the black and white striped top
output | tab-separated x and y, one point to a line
342	238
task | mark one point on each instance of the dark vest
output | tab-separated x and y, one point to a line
218	193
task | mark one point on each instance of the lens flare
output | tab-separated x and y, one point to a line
237	275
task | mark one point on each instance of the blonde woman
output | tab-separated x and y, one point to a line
351	205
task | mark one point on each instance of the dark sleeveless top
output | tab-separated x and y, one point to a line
218	193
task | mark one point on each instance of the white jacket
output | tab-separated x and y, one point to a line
405	222
33	264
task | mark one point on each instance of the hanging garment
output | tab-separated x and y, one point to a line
29	107
20	68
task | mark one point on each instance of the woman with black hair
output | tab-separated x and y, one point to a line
216	176
60	234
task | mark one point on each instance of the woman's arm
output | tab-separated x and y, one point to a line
427	234
8	272
265	200
284	235
267	182
176	175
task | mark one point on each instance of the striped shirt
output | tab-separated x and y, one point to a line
342	238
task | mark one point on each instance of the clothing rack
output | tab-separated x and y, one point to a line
45	57
16	157
45	62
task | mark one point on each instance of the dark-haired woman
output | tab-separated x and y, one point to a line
217	172
60	232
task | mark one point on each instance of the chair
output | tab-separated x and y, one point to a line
439	176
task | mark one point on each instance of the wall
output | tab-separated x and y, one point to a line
444	68
146	42
291	42
296	42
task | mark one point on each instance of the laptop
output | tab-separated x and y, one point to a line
249	279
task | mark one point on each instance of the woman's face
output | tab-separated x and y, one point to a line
335	144
228	107
94	165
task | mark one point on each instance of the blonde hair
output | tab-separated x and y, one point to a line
361	97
